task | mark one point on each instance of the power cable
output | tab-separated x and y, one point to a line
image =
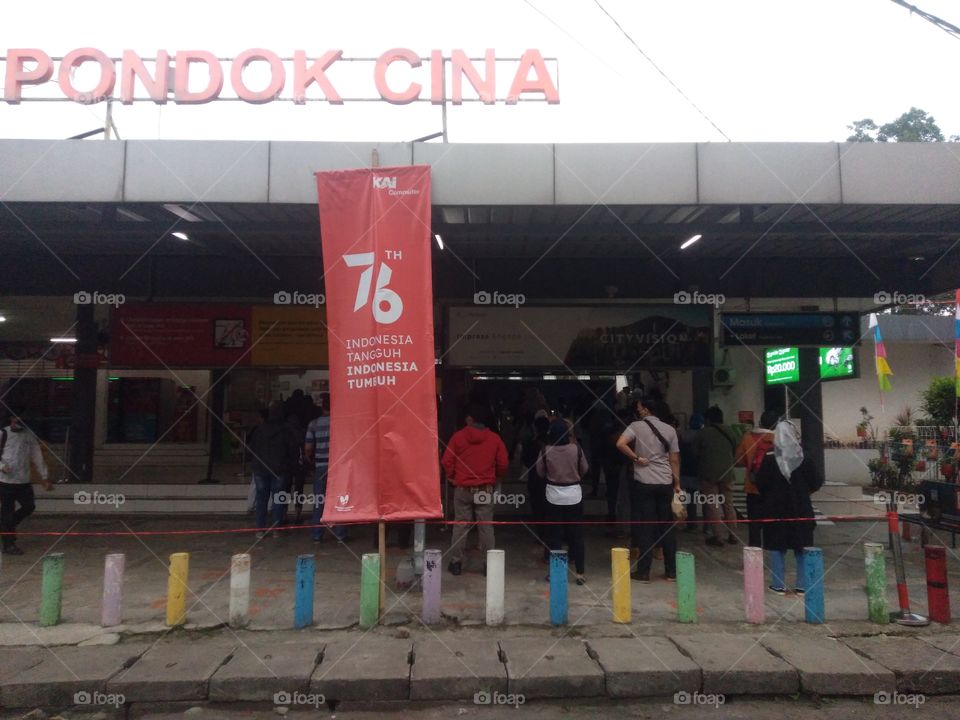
665	76
948	28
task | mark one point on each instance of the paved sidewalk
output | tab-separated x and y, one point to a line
354	669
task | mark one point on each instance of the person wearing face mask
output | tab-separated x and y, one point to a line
19	449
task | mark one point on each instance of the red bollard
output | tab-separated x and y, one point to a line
938	596
906	532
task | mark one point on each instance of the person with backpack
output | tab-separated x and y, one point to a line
562	465
19	449
653	448
786	480
750	451
715	450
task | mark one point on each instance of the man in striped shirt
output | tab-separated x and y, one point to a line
317	445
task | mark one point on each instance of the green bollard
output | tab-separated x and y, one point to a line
876	565
51	589
369	590
686	588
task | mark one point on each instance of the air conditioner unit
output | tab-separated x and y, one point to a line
724	377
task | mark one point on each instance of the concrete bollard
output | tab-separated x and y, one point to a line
876	566
496	562
938	596
51	589
620	589
303	597
177	589
432	580
558	587
369	590
753	590
813	585
240	590
111	609
686	588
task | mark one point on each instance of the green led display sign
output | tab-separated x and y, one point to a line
782	365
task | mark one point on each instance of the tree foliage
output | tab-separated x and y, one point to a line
939	401
915	125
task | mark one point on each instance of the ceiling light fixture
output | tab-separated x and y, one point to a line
439	240
690	242
182	213
62	340
3	318
180	235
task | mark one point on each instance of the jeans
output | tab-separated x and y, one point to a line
267	486
650	503
778	567
319	495
568	529
11	495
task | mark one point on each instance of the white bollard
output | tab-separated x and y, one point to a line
495	586
239	590
111	611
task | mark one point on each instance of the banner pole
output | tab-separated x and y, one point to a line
382	545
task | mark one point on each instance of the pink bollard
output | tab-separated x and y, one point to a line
112	610
432	573
753	596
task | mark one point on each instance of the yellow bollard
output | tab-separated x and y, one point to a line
620	563
177	589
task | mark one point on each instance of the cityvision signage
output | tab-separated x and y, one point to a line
195	77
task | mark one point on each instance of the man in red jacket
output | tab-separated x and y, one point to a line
473	461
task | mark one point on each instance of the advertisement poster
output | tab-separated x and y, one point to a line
375	229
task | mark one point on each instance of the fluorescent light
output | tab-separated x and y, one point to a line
2	318
63	340
549	377
180	235
439	240
583	377
182	213
690	242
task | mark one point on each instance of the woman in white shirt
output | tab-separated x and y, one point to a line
562	464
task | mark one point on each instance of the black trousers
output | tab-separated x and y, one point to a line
569	531
537	494
12	495
754	530
611	472
649	503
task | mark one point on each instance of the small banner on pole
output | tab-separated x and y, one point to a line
375	229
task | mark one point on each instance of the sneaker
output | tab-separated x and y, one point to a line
670	577
778	590
581	580
645	578
713	542
799	591
12	550
455	568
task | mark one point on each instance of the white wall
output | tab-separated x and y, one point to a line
913	366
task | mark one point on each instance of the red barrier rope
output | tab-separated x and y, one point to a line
433	521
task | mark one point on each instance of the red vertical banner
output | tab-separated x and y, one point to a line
375	229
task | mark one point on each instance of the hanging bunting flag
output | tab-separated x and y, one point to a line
880	355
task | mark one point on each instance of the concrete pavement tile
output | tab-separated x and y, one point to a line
948	643
643	666
17	660
172	672
447	668
919	666
738	665
828	667
67	673
367	668
546	667
256	672
18	633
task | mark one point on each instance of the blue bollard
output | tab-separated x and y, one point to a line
303	599
558	587
813	583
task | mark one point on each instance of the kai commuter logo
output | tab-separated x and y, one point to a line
383	182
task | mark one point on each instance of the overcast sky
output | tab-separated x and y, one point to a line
762	70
